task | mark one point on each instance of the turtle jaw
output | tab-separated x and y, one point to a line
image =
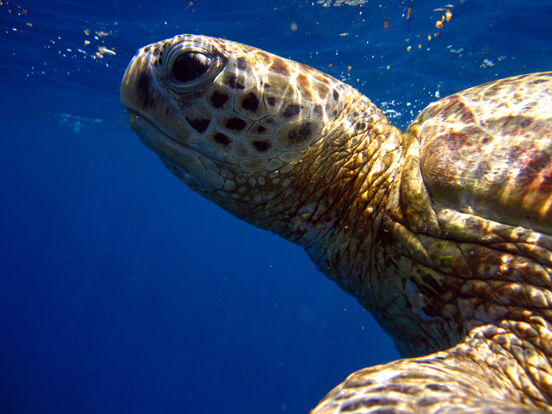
183	160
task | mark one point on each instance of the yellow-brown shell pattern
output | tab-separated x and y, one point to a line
488	151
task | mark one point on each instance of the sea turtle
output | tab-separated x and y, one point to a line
443	233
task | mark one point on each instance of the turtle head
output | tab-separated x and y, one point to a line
275	143
231	121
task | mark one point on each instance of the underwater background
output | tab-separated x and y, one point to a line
121	290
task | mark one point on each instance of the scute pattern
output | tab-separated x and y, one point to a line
499	165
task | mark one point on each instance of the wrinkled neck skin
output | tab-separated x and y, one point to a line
472	294
432	277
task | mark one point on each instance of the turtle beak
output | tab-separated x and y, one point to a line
138	83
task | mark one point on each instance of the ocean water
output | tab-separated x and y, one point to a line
121	290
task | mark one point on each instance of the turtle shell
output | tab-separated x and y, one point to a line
487	151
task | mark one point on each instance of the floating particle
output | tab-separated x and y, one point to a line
343	34
87	32
385	24
102	50
448	15
408	13
420	46
30	24
487	63
349	68
86	42
438	24
429	37
408	48
294	27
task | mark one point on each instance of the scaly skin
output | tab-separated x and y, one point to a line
442	233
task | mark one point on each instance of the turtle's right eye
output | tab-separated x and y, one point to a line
190	66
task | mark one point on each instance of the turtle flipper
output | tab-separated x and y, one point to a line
448	382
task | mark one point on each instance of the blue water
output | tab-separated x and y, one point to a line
122	291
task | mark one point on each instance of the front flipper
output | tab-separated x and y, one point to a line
447	382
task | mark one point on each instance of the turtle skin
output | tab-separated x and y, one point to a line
443	232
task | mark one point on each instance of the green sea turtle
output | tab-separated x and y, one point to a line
443	233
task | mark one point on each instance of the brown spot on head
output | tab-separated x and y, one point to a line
263	57
271	101
269	121
297	137
280	66
218	99
317	110
200	125
303	82
322	91
222	140
304	86
143	86
320	77
241	63
233	82
250	102
235	124
335	95
261	146
292	110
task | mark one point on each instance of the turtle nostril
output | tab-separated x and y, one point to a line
190	66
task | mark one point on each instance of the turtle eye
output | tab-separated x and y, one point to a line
189	66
